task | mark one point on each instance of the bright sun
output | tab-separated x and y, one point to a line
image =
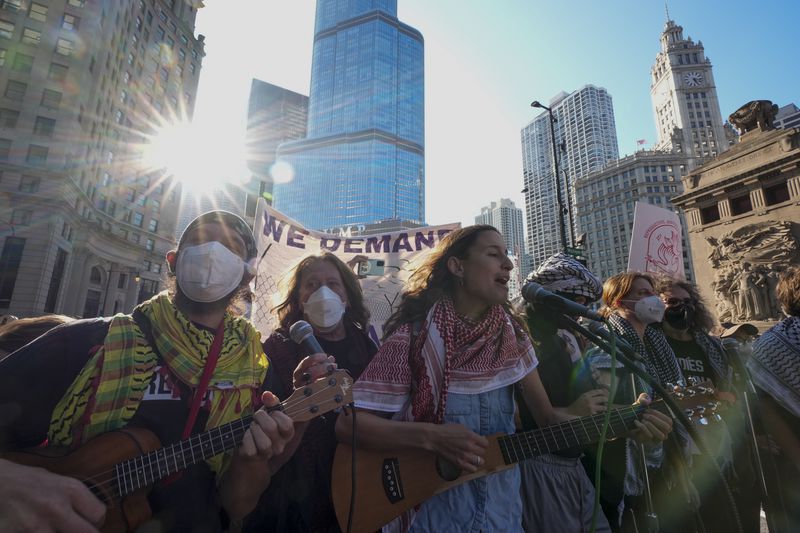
202	159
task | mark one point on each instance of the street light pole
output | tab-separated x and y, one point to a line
556	176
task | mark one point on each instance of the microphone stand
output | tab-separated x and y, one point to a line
627	358
748	389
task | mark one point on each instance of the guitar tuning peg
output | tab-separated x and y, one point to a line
716	417
703	421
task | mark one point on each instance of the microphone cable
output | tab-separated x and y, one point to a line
677	412
351	511
612	390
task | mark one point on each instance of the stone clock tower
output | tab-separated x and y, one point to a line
685	99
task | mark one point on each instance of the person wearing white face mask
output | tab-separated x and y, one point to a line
146	370
633	310
325	292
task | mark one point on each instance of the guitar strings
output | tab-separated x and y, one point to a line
108	481
522	441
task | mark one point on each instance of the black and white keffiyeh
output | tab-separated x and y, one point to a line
717	357
775	365
565	274
654	350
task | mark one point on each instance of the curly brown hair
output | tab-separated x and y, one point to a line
432	280
703	319
788	291
289	311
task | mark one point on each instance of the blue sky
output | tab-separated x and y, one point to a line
486	60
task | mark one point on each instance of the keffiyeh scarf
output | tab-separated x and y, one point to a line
112	383
451	353
775	365
565	274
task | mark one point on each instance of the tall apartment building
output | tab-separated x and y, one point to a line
364	158
274	116
788	117
84	223
605	201
586	139
508	219
685	102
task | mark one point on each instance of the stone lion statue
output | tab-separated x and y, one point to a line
757	113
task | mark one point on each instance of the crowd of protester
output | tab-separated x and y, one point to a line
458	363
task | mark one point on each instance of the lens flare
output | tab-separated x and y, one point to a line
199	157
282	171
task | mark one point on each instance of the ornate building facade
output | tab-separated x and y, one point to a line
84	224
742	211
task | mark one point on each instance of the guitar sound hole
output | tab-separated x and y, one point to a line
447	470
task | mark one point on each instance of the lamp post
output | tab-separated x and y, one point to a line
556	176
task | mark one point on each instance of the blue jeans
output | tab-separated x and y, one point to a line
490	503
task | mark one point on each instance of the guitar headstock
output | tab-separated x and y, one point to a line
322	396
698	401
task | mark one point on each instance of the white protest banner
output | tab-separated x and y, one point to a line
283	242
656	245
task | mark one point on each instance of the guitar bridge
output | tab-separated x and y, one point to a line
392	484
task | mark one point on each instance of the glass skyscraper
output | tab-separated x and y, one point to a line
363	160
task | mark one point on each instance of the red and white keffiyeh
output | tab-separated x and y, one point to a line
451	353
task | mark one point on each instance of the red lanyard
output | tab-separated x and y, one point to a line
211	364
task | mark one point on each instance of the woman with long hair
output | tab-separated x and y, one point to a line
634	311
444	378
324	291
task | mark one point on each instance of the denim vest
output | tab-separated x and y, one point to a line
490	503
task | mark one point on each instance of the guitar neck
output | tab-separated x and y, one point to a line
568	435
146	469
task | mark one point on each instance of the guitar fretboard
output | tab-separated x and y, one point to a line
146	469
567	435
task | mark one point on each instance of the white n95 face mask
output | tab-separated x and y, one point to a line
324	308
208	272
649	310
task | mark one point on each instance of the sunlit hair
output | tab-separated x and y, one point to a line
289	310
788	291
16	334
617	287
432	280
703	320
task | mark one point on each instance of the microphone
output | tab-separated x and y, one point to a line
302	333
537	295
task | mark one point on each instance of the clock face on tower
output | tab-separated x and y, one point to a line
693	79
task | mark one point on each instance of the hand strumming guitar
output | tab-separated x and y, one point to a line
33	499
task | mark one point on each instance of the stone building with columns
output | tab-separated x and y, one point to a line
743	215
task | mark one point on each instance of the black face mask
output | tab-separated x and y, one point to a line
679	317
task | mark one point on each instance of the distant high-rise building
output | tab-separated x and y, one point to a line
274	116
586	139
84	224
507	218
685	102
363	159
605	202
788	117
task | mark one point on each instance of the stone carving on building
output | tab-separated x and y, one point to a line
754	114
747	262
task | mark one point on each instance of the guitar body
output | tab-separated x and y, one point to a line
93	464
390	483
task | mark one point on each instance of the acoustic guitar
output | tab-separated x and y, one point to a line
390	483
121	466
